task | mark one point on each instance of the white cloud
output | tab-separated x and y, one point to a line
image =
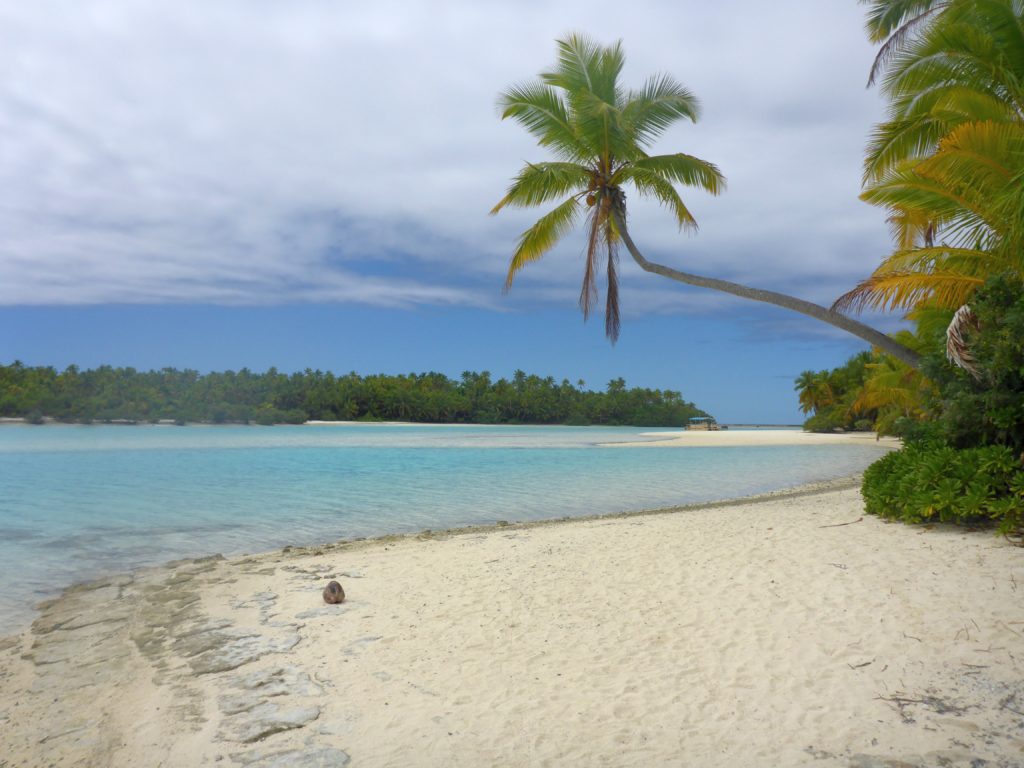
306	150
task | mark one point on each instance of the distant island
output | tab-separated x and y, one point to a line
108	394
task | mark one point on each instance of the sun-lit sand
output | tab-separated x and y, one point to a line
753	437
786	631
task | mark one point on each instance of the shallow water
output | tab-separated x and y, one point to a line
77	502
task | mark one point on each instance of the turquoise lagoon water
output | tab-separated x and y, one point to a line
77	502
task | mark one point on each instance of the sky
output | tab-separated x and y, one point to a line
306	184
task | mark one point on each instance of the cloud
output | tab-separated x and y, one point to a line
259	151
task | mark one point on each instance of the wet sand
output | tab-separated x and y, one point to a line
791	630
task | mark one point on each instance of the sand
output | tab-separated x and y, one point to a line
753	437
787	632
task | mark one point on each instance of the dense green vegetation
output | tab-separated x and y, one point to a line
947	165
935	483
964	455
831	396
124	394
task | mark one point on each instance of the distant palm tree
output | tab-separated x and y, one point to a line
807	393
600	133
815	390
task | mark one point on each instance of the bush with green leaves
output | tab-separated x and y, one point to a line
929	483
986	409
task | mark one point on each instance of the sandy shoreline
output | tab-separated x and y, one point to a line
765	437
784	631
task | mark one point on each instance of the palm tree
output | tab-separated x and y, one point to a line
600	133
949	214
948	164
814	391
894	390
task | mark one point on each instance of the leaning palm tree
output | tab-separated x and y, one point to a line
600	134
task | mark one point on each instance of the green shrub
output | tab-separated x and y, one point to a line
987	409
923	483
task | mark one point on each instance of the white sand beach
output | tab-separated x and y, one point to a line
754	437
784	632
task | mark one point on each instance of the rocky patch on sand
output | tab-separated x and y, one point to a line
212	681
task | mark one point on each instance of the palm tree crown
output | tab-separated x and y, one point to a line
600	134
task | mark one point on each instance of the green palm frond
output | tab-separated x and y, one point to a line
539	183
895	141
965	261
953	209
542	111
660	103
600	124
886	17
585	66
900	25
652	185
975	43
542	237
948	164
685	169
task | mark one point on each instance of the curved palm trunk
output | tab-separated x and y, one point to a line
865	332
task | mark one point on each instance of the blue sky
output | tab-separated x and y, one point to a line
306	184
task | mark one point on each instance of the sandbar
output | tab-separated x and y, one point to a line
753	437
786	631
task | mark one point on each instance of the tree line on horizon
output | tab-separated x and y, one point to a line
108	394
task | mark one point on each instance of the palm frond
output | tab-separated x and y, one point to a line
885	17
896	141
685	169
952	208
651	110
585	66
903	290
652	185
898	386
542	111
898	37
600	125
542	237
538	183
588	290
612	321
957	350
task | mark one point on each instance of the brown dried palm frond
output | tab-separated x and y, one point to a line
958	352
